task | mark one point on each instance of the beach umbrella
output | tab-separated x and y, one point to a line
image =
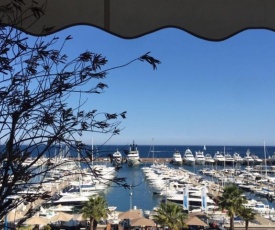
36	220
62	216
131	214
195	221
78	217
14	216
37	202
142	221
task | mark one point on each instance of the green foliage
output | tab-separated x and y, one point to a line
171	215
247	214
47	227
233	201
24	228
95	209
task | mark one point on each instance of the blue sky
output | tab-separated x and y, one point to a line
212	93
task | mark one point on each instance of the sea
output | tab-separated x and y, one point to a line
141	196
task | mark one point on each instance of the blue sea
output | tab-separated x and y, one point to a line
141	196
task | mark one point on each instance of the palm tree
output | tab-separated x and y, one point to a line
248	214
95	209
171	215
233	201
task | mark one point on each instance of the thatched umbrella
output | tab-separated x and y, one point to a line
36	220
62	216
142	221
131	214
14	216
78	217
195	221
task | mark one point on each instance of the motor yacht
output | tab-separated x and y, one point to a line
209	159
199	158
219	158
229	160
237	158
257	160
194	198
116	158
177	159
132	155
188	157
248	158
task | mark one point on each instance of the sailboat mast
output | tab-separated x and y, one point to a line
224	157
265	160
92	151
153	150
79	165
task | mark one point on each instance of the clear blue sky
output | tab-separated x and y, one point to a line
212	93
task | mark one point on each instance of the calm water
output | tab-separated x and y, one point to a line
142	197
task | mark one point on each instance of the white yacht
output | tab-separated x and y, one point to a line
188	157
177	159
132	155
72	199
248	159
228	159
256	159
219	158
271	159
260	207
194	198
237	158
209	159
117	158
199	158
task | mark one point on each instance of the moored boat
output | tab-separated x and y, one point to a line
132	155
188	157
116	158
228	159
209	159
199	158
256	159
177	159
248	158
237	158
219	158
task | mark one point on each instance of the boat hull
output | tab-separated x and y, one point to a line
133	162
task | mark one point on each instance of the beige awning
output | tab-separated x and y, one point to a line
14	215
131	214
195	221
78	217
36	220
142	221
208	19
62	216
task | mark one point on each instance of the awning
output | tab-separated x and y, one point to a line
36	220
142	221
208	19
131	214
195	221
62	216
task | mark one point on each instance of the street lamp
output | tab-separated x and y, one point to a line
131	194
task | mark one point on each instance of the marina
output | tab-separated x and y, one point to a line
157	179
